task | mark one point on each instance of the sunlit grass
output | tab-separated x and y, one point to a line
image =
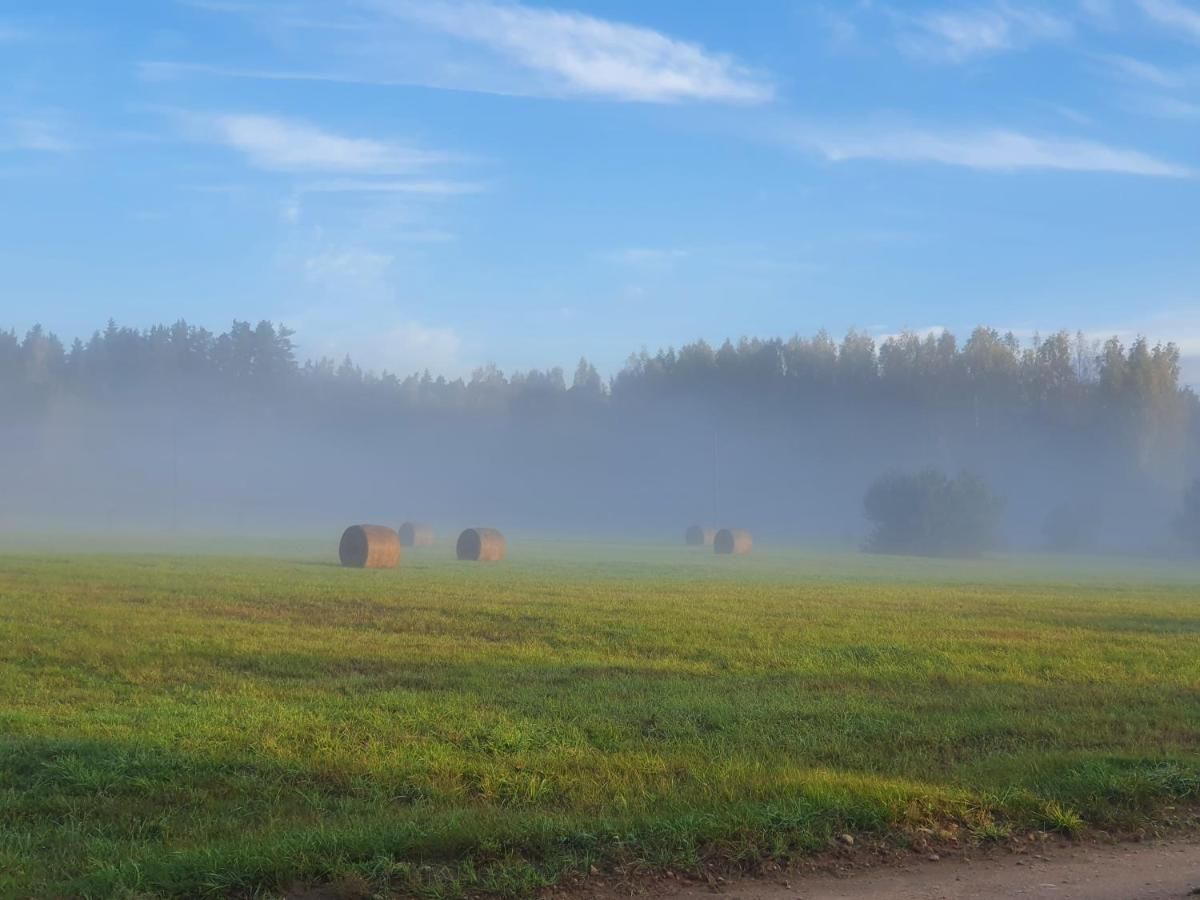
176	725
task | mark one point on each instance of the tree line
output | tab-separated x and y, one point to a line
1126	396
1060	377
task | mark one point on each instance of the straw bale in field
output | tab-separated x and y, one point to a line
482	544
369	547
732	540
415	534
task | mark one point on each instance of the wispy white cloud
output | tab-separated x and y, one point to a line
1070	113
1181	18
1167	108
989	150
166	70
285	145
335	187
34	134
593	56
589	55
1140	70
446	75
493	47
1172	99
1102	12
959	34
843	30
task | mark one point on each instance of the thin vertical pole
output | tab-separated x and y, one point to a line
716	511
174	452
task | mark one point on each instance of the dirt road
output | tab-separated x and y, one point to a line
1157	871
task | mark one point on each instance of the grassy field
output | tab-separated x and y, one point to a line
187	725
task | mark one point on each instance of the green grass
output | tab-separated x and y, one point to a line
180	726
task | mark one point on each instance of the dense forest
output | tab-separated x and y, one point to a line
178	427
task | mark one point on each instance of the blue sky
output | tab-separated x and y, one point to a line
435	183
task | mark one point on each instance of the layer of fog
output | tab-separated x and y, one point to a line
199	465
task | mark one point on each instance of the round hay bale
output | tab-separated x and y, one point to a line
698	536
414	534
482	544
732	540
369	547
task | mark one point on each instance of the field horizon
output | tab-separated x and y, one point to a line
216	723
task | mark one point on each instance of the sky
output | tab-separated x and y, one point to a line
440	184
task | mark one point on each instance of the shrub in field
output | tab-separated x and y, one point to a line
930	514
1187	523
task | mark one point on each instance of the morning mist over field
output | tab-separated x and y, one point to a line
591	449
177	430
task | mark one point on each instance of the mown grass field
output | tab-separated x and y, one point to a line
188	725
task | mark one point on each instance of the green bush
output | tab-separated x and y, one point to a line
931	514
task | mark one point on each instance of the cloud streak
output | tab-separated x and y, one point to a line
165	70
491	47
1140	70
1168	108
959	35
33	134
591	56
994	150
1184	20
278	144
368	174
